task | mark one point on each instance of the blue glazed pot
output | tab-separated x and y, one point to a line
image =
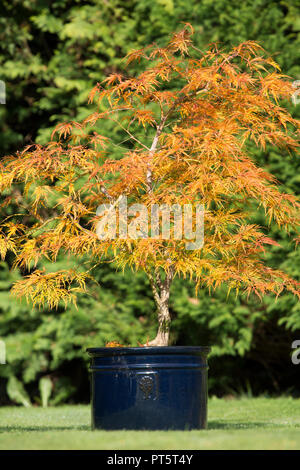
149	387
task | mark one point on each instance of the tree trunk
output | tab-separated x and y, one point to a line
161	291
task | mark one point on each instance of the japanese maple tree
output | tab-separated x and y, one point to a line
189	122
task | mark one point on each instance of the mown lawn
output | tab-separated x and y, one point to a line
246	423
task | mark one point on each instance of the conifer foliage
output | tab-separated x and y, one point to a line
187	122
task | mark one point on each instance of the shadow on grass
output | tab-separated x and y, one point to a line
213	425
43	428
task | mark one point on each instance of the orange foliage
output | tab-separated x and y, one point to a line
113	344
191	146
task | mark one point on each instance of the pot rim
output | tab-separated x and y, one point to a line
152	350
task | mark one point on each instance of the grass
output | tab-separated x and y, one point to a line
246	423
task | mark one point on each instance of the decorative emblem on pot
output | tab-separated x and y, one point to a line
146	384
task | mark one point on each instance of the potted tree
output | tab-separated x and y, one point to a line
189	123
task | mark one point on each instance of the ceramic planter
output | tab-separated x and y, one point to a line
149	387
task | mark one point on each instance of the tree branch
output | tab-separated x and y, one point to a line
129	133
154	287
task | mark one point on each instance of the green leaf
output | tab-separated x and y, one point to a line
45	387
17	392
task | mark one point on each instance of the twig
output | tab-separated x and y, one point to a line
129	133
